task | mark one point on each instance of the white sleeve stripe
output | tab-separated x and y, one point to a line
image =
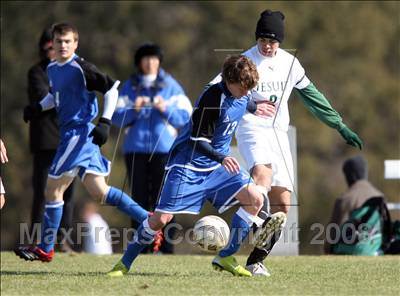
70	147
222	100
182	102
124	102
200	139
76	65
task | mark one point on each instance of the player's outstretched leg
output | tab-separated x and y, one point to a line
145	236
99	190
116	197
266	237
275	222
241	226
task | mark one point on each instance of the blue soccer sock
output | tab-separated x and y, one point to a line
143	238
241	225
51	223
123	202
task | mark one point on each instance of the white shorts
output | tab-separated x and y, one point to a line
263	145
2	191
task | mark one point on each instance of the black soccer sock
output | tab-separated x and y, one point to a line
258	255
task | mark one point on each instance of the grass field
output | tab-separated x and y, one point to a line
193	275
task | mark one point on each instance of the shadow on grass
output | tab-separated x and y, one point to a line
80	273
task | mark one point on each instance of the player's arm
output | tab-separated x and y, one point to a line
205	148
260	108
98	81
34	110
204	119
264	109
316	102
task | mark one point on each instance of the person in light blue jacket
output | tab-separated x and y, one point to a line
152	107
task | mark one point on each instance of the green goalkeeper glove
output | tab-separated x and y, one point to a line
351	137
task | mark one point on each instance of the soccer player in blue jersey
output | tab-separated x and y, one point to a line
200	168
73	82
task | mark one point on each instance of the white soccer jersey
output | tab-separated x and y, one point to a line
278	76
258	143
274	72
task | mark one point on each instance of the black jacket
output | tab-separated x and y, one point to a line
43	131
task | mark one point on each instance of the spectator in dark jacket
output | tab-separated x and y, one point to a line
360	190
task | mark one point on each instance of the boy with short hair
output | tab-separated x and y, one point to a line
73	82
200	168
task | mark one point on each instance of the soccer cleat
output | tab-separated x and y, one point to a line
258	269
229	264
34	253
273	224
158	240
118	270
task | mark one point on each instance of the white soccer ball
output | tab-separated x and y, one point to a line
211	233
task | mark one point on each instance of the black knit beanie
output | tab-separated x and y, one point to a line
270	25
148	49
354	169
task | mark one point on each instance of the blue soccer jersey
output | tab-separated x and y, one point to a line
214	120
73	84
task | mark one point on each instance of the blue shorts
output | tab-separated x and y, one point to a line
77	155
185	191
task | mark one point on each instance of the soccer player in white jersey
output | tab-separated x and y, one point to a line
73	83
263	142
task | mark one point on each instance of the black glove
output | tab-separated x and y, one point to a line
101	132
32	111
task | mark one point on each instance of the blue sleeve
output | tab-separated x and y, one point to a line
119	120
124	114
180	108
